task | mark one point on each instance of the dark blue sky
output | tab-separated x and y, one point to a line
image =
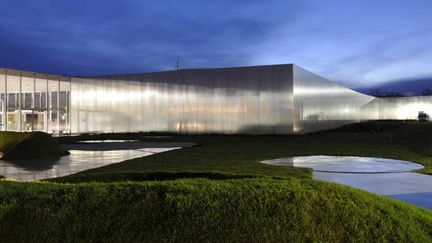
357	42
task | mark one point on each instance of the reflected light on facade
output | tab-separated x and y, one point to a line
276	99
410	111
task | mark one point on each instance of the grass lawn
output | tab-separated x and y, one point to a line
184	210
219	191
241	155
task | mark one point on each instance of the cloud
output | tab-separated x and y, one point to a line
104	37
357	43
404	86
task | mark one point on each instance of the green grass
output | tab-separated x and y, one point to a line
242	200
230	155
247	210
241	155
29	145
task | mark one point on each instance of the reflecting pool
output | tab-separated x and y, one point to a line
386	177
82	157
347	164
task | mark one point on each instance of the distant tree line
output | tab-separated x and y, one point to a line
381	93
426	92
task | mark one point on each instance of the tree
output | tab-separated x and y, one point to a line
392	93
426	92
376	92
380	93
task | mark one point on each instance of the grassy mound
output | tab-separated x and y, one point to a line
9	139
246	210
32	145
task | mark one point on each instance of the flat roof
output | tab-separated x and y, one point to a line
30	74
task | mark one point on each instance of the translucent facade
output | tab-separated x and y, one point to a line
402	108
321	104
276	99
252	100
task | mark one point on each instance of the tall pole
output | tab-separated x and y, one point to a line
177	66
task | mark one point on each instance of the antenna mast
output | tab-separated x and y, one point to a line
177	66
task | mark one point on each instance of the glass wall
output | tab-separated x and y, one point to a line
40	104
2	99
13	90
27	100
34	102
63	105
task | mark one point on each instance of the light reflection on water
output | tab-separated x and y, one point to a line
78	160
347	164
386	177
108	141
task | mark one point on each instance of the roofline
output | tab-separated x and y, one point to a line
36	74
188	69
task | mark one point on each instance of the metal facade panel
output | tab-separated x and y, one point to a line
283	98
220	101
277	99
267	102
402	108
320	104
225	100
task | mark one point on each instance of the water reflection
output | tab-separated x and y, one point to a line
34	165
78	160
347	164
386	177
409	187
108	141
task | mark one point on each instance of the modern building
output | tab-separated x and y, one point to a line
274	99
